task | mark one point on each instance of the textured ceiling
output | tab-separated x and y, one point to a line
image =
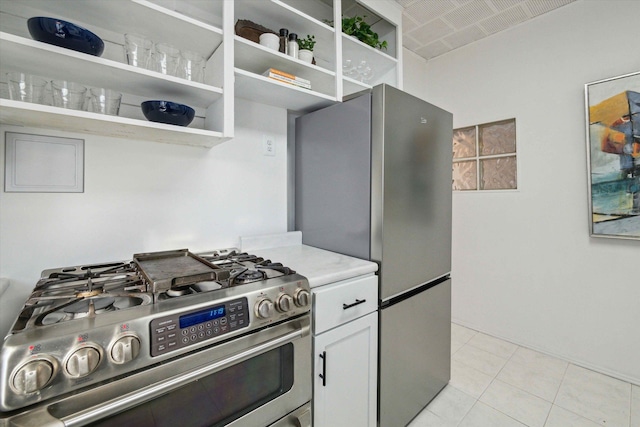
433	27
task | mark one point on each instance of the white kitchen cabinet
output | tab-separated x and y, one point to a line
234	68
345	345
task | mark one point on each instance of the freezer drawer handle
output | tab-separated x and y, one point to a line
358	302
323	375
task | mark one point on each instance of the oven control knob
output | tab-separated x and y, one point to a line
264	308
82	362
33	375
125	349
302	298
284	303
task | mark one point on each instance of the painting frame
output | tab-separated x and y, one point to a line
612	108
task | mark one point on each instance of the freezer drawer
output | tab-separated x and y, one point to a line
415	354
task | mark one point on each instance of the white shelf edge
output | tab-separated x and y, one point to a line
26	114
178	15
284	85
268	91
356	82
370	48
303	15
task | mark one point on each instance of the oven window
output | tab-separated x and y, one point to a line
219	398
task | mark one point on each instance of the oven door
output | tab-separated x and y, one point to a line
261	379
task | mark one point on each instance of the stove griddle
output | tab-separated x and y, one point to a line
176	268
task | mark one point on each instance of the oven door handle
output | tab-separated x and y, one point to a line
135	398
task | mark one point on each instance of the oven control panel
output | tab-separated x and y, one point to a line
181	330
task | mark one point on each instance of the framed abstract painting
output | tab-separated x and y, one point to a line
613	156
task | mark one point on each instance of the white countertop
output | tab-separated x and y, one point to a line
320	267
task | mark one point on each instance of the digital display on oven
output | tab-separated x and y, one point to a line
202	316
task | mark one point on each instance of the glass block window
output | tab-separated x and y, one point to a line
484	157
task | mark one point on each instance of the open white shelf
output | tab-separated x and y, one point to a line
380	62
350	86
43	116
234	65
274	14
134	16
271	92
65	64
252	57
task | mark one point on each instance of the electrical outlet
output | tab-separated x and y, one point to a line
268	145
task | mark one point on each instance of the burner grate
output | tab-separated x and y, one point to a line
70	293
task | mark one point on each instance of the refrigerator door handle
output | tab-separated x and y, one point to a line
358	302
323	375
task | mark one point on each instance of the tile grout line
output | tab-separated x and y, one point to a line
555	397
532	394
581	415
495	378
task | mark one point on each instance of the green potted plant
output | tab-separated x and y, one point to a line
358	28
305	53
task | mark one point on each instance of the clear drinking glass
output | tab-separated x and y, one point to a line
138	50
367	75
348	68
26	88
105	101
360	69
191	66
166	59
68	94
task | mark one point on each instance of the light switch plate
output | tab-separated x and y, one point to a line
43	164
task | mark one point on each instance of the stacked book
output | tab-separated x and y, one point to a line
281	76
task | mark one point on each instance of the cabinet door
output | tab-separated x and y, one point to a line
345	374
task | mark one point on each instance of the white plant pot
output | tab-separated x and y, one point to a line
305	55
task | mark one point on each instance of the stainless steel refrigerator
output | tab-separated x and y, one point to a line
373	180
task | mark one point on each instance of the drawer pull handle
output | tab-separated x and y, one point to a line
323	375
358	302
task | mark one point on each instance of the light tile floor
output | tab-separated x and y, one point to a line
495	383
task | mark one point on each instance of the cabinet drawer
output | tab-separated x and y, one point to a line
344	301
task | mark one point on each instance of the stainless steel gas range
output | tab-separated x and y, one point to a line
168	338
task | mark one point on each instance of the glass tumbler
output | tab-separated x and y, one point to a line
166	59
105	101
26	88
68	94
348	69
138	50
191	66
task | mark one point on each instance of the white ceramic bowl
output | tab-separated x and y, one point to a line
270	40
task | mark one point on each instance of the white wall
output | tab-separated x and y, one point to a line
524	267
145	196
414	70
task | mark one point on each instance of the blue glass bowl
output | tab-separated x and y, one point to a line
65	34
168	112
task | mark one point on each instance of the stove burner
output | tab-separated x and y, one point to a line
248	276
178	292
66	275
276	266
87	294
83	306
